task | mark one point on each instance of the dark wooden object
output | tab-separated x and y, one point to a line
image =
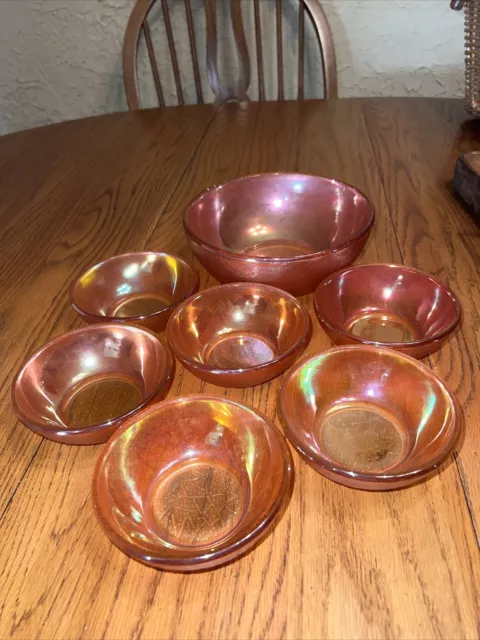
138	26
341	563
466	180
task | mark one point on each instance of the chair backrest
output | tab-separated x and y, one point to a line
138	27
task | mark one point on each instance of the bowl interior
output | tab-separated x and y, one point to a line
91	376
190	474
386	303
368	410
237	326
279	215
133	285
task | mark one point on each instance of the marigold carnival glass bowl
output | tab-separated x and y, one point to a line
387	305
239	335
138	288
369	417
191	483
80	387
286	230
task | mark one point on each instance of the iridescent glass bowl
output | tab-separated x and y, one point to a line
387	305
80	387
239	335
369	417
286	230
137	288
191	483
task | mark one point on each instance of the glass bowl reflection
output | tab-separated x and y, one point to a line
369	417
387	305
286	230
191	483
81	386
139	288
239	335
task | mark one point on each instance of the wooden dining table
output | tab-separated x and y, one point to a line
341	563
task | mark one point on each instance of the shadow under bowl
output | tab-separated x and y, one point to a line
138	288
369	417
239	335
282	229
80	387
387	305
191	483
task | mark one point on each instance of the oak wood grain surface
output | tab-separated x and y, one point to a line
341	563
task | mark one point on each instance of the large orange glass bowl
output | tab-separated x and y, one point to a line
369	417
282	229
387	305
81	386
135	288
191	483
239	335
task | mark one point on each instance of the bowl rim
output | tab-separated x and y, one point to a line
138	318
63	428
303	340
411	343
371	478
269	259
203	556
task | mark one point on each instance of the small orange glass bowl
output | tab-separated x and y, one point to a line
239	335
80	387
387	305
137	288
191	483
286	230
369	417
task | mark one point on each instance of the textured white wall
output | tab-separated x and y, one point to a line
61	59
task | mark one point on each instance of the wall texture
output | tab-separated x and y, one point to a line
61	59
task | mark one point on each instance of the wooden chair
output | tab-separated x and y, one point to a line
138	27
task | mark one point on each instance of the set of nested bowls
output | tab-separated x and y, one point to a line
192	482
